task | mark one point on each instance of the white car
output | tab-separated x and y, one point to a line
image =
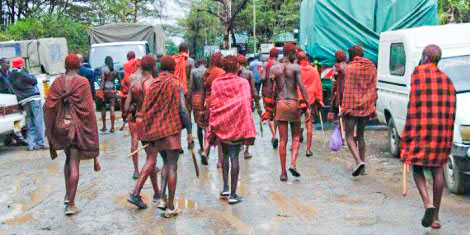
12	119
399	53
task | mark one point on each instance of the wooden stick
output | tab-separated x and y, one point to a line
405	179
343	134
321	122
193	155
138	150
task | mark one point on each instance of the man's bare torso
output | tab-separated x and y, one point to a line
286	76
197	83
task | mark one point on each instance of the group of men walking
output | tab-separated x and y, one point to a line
223	98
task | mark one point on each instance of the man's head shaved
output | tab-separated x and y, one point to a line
148	63
184	47
72	62
431	54
167	63
130	55
231	64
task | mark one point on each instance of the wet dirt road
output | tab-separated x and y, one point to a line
325	200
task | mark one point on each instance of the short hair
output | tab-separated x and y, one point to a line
431	54
130	55
340	56
184	47
274	53
148	63
289	51
200	62
302	56
167	63
230	64
72	62
241	59
355	52
216	59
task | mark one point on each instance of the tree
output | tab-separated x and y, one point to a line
171	48
454	11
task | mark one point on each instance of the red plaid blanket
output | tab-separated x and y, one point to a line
230	116
83	131
180	71
360	92
161	107
427	137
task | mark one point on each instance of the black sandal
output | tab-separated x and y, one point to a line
428	217
294	172
358	169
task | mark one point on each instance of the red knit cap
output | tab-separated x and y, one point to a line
17	63
72	62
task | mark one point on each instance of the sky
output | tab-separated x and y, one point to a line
173	12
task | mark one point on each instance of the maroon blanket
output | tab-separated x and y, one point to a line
83	130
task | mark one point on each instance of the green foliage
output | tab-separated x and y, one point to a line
454	11
50	26
171	48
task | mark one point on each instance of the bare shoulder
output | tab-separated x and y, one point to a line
276	69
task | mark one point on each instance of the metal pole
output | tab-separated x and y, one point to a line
254	26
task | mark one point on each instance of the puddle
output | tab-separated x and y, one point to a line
19	220
183	203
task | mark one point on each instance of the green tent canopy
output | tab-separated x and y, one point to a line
330	25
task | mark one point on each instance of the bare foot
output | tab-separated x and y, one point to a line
97	165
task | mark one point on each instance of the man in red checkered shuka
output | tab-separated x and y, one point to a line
358	104
426	141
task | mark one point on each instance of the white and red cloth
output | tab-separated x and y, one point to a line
231	117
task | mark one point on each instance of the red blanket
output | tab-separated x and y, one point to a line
360	92
180	71
161	107
230	116
83	128
312	83
427	137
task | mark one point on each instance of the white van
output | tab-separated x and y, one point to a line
399	53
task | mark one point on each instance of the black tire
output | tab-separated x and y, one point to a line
456	182
393	139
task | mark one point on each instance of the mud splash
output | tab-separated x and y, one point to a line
19	219
291	207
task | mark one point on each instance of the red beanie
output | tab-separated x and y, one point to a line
17	63
72	61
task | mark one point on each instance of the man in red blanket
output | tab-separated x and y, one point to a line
427	138
164	114
312	83
129	68
231	121
287	81
215	71
267	93
71	126
358	104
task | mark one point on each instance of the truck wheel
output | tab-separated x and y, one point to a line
455	180
393	139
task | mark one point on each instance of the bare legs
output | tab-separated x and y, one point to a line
149	170
134	147
169	176
284	136
112	114
438	187
273	128
72	174
200	137
356	144
231	163
309	127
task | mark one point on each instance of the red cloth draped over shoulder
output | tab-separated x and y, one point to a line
312	83
129	68
211	74
360	86
82	111
427	138
160	110
230	117
180	70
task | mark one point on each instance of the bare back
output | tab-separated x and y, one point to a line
196	80
286	77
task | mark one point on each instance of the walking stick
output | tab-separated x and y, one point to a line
406	170
321	122
193	154
138	150
343	134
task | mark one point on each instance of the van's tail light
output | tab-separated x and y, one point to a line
5	110
465	133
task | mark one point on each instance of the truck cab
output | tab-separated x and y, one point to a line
399	53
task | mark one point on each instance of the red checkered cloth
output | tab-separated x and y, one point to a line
360	92
160	110
82	132
231	117
180	70
427	138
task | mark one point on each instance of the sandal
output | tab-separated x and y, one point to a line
224	195
137	201
436	224
309	153
235	199
428	217
275	143
357	169
294	172
71	210
283	178
162	204
247	155
170	213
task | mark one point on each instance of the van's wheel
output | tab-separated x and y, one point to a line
456	182
393	139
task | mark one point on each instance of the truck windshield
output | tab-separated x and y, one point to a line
458	70
117	52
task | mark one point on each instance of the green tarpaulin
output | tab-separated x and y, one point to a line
328	25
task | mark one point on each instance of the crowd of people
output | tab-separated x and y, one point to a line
223	96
